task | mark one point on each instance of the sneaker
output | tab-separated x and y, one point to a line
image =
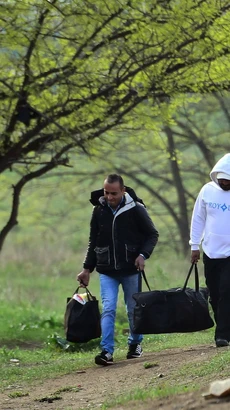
104	358
221	342
134	351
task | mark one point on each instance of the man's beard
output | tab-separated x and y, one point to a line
225	187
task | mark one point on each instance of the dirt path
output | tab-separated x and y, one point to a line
90	388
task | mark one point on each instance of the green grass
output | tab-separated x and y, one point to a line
33	299
140	395
219	365
16	394
32	340
39	364
179	382
51	360
33	293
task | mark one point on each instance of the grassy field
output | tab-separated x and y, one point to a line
35	282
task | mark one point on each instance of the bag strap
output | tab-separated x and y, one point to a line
196	277
89	294
145	279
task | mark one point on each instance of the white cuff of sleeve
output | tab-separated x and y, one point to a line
195	248
143	256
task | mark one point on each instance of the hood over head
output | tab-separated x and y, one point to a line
222	175
222	167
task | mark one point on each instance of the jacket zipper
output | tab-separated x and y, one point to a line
120	211
113	240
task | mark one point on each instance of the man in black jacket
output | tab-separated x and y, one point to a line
122	237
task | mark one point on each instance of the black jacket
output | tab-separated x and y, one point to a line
116	240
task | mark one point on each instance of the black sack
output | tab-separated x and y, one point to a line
176	310
82	323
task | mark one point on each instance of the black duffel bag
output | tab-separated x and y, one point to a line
175	310
82	322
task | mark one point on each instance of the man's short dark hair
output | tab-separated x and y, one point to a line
111	178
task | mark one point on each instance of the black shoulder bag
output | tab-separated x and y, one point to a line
175	310
82	321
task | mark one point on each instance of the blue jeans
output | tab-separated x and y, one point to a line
109	296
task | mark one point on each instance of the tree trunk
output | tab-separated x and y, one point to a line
183	217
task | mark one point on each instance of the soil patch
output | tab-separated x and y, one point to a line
92	387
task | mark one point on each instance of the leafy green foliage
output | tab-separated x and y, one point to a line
73	71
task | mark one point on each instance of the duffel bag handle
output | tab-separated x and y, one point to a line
145	279
196	277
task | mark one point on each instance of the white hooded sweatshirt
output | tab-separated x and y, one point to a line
211	216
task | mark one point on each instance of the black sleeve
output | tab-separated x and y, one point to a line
90	257
147	229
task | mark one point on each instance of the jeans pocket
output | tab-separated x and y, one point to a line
103	255
130	253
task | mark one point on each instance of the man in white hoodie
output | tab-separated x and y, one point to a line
210	226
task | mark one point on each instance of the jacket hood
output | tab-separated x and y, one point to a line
223	165
128	200
96	195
